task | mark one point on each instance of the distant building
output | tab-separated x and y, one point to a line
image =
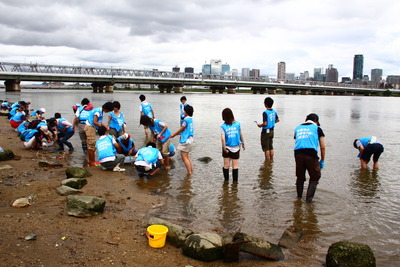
216	66
394	79
245	72
282	71
189	72
176	69
346	80
290	77
234	72
358	67
376	76
319	74
304	76
206	70
365	79
255	73
332	74
226	69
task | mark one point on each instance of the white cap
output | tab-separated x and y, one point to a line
43	110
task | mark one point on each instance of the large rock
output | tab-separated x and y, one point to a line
66	190
76	183
85	206
349	254
77	172
205	247
176	235
205	159
259	247
290	237
6	155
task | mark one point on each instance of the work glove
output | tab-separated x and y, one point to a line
321	164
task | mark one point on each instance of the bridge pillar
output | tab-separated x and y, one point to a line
12	85
231	89
220	89
272	91
178	88
162	87
97	87
109	87
329	92
304	91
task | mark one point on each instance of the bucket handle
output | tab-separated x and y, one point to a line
152	236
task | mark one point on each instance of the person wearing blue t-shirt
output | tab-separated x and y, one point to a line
64	132
186	140
367	147
182	106
146	109
309	139
116	121
82	113
148	160
270	118
232	140
106	148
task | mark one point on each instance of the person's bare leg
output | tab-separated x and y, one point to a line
187	161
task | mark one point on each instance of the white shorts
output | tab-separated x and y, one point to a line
185	147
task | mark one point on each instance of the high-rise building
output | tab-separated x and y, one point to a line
290	77
358	67
189	72
304	76
376	76
255	73
226	69
206	70
216	66
281	71
332	74
176	69
245	72
319	74
234	72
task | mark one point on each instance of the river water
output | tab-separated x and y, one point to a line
350	204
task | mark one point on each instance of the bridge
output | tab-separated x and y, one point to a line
103	79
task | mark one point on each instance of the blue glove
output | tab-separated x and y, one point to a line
321	164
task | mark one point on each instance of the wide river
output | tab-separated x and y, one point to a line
350	204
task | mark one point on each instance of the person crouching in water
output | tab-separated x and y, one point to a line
126	146
65	132
231	139
106	148
148	160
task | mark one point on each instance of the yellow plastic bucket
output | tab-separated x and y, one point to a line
156	234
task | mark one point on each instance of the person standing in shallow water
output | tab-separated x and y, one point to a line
309	138
231	139
270	118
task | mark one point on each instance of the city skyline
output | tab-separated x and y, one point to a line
160	34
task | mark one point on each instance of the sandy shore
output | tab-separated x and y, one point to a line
117	237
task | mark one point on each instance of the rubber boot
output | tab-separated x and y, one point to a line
299	187
235	174
312	186
226	174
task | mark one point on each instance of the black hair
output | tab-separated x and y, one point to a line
146	120
189	110
51	123
117	104
85	101
269	102
102	130
152	144
183	98
109	106
227	116
57	115
142	98
355	143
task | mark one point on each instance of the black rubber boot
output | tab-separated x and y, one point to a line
312	186
226	174
300	187
235	174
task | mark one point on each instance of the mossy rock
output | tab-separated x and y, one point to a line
349	254
77	172
7	155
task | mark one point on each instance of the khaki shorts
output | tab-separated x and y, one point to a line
185	147
90	137
163	147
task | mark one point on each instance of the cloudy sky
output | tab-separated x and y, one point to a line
147	34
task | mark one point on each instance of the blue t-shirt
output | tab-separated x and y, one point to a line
105	147
270	116
232	133
117	122
188	131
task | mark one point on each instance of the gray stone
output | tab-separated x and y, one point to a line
205	247
76	183
259	247
349	254
30	237
77	172
205	159
5	167
49	164
85	206
66	191
290	237
7	155
176	234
